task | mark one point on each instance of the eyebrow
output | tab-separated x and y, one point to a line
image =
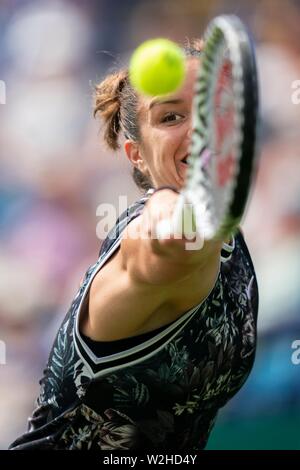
158	101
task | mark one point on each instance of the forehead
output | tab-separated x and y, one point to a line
184	94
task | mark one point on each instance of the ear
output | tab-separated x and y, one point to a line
132	150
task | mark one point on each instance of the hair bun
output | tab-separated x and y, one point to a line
107	97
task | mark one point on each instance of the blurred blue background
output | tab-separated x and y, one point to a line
55	171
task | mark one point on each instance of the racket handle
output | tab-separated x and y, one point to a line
182	222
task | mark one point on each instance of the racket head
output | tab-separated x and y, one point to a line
225	115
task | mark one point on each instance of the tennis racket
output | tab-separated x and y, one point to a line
223	145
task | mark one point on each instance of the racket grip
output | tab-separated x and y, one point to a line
181	224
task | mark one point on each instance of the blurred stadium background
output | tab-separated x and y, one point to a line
54	172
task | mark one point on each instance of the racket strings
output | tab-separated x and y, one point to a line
210	158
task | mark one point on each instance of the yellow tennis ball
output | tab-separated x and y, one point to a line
157	67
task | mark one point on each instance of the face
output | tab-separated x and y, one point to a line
165	129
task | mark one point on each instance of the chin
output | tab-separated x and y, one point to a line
182	174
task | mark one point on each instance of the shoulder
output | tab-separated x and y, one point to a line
133	211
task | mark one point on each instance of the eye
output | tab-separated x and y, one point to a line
171	117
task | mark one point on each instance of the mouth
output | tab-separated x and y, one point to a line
185	160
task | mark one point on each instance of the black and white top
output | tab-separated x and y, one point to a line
161	390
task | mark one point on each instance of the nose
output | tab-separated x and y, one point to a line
189	131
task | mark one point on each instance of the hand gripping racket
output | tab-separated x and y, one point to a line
223	145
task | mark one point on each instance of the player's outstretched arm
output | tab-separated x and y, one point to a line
152	260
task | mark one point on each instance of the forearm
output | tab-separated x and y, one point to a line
161	261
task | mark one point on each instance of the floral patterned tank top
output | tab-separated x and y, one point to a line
160	391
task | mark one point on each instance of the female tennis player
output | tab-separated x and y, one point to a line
158	338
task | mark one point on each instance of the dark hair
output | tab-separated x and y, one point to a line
116	102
